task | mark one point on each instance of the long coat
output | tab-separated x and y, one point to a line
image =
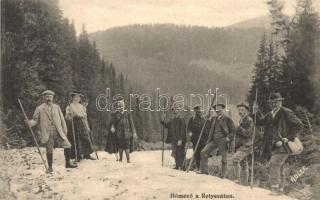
195	125
42	117
284	124
176	130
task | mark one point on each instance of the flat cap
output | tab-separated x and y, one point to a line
47	92
243	105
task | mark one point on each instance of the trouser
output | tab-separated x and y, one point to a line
220	144
178	154
276	172
197	153
240	164
54	138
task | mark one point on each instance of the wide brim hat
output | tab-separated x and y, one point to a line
48	92
275	97
219	104
74	93
197	107
243	105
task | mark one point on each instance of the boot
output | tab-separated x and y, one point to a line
127	155
49	159
67	158
223	169
237	170
245	177
120	154
89	157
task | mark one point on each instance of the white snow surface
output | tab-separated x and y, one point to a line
144	178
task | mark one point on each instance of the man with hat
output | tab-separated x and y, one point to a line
220	134
176	136
77	112
243	144
53	128
122	131
195	125
285	125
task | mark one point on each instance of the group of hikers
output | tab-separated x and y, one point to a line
210	135
217	134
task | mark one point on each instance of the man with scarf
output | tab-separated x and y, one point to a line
195	125
176	136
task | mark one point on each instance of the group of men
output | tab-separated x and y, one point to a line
209	135
73	133
212	134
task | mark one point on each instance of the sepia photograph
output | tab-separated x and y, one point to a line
160	100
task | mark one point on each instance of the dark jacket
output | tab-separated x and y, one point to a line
285	124
227	126
195	126
244	132
176	130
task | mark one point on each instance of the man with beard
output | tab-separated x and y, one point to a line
77	117
195	125
244	144
176	136
220	134
53	128
283	125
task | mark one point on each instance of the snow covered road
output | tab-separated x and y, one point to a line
104	179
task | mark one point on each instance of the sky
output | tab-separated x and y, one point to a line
99	15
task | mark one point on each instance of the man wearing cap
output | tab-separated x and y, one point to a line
195	125
285	125
77	112
53	129
244	144
176	136
220	134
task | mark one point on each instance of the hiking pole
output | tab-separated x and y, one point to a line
33	135
162	152
74	134
253	138
186	148
201	133
309	124
91	141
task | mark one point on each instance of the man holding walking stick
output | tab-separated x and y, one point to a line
53	128
195	124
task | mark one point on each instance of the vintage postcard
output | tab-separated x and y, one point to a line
160	99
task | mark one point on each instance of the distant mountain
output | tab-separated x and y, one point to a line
183	59
258	22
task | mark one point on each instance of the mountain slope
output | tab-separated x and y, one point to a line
182	59
257	22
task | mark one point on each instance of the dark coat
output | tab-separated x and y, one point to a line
285	124
195	126
227	126
176	130
244	132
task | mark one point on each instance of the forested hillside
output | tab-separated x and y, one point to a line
183	59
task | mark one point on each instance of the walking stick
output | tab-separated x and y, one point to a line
33	135
309	124
162	152
253	138
74	134
201	133
94	149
